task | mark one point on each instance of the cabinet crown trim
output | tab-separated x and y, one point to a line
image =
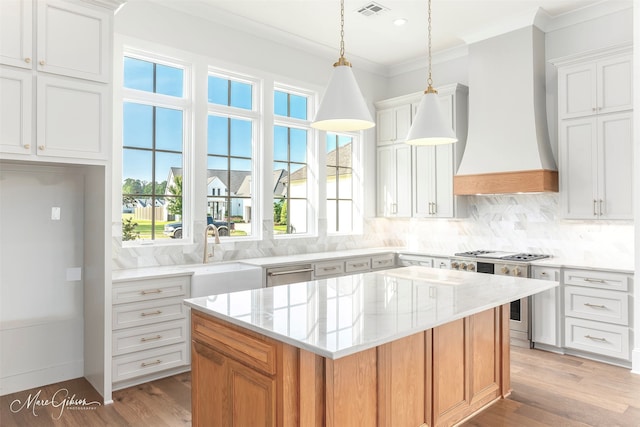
605	52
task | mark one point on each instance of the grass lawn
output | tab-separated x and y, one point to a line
144	228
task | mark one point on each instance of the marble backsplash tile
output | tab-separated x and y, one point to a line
520	222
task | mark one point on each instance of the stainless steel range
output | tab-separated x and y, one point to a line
505	264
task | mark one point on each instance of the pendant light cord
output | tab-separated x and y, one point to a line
430	88
342	60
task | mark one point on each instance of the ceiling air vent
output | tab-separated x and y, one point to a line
371	9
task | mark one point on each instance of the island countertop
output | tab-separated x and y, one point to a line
344	315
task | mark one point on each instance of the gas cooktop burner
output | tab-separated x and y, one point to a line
525	257
473	253
507	256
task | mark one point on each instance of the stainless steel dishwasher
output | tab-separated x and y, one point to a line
289	274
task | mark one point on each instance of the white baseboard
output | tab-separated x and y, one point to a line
635	361
41	377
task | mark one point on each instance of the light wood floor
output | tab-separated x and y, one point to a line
548	390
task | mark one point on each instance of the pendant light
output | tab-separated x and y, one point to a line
429	126
342	107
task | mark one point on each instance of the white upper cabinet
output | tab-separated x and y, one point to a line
418	181
595	87
16	30
435	166
595	137
73	41
69	72
393	124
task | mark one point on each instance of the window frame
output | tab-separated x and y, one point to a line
185	104
356	185
312	160
255	115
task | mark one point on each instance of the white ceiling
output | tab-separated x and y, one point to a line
315	24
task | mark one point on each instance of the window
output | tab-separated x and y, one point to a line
339	149
230	142
290	168
152	148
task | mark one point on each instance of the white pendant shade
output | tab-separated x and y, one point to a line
430	126
343	108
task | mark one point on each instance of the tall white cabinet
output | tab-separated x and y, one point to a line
417	181
595	135
67	75
55	111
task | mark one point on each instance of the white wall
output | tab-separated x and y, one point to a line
636	180
41	308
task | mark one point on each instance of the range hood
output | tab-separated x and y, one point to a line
507	148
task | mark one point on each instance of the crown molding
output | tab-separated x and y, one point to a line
422	64
114	5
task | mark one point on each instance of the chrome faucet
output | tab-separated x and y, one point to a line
205	257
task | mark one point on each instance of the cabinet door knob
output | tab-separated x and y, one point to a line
27	60
594	109
42	62
27	146
601	207
41	147
595	207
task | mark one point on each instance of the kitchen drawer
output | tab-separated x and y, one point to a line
148	289
358	264
545	273
329	268
595	337
149	361
243	347
597	279
148	312
596	304
145	337
383	261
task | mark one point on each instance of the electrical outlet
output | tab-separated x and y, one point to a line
55	213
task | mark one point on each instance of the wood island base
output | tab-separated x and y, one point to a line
438	377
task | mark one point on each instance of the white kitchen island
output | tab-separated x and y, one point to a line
410	346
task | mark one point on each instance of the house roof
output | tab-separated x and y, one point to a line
341	157
237	177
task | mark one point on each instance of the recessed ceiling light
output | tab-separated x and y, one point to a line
400	22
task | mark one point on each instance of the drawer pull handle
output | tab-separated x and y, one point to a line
144	339
589	279
362	264
155	362
544	273
595	305
329	268
151	313
154	291
596	338
282	273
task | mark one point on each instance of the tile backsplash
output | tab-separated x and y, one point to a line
519	222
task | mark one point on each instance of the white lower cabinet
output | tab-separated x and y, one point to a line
343	267
597	313
150	326
546	309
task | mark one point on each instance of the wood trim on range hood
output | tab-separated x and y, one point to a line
531	181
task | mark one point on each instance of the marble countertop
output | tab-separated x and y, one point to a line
344	315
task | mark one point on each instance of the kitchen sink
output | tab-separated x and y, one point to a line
210	279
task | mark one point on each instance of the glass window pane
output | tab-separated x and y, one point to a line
279	222
331	147
332	192
332	226
168	129
345	152
138	74
298	106
217	163
168	166
137	125
298	145
280	143
345	183
298	181
345	209
136	171
241	138
218	135
298	216
241	95
218	90
280	100
169	80
280	178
